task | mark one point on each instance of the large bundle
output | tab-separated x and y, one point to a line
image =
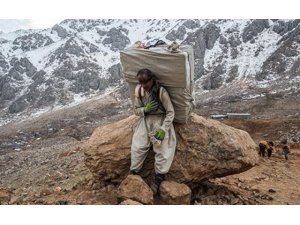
174	71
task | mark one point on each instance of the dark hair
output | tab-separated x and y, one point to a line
150	75
271	143
146	72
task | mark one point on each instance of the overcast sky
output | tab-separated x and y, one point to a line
12	12
136	9
17	10
8	25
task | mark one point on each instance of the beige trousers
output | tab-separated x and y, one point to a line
164	153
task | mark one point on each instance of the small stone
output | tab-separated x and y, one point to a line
241	180
45	192
174	193
57	189
14	200
272	190
247	188
24	194
255	189
97	186
234	201
110	188
37	195
90	183
130	202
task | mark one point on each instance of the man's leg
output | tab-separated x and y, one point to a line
261	149
164	155
286	155
158	178
269	153
139	148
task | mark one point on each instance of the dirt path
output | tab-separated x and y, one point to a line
272	181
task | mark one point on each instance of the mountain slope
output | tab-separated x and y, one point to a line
79	59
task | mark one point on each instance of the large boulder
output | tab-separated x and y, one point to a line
205	149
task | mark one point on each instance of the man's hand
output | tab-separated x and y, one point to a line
151	106
160	134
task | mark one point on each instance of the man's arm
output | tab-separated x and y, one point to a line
138	107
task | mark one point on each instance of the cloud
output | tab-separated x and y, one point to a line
12	25
9	25
44	23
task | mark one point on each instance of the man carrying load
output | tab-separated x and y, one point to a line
155	127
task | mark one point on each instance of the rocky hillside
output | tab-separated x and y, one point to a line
42	160
235	60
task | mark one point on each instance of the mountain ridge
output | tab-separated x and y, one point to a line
49	68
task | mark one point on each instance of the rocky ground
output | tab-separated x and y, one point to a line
42	160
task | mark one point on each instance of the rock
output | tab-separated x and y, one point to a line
175	35
234	201
267	197
135	188
107	152
272	190
14	200
116	39
115	72
211	34
173	193
96	186
88	198
57	189
247	188
110	188
5	197
61	32
208	200
45	192
130	202
205	149
241	180
254	28
255	189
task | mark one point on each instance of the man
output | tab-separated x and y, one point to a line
266	146
285	149
155	127
270	149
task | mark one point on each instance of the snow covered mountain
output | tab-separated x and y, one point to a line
79	59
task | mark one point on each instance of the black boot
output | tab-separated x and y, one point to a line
158	178
134	172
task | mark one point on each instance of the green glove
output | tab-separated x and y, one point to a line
160	134
151	106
